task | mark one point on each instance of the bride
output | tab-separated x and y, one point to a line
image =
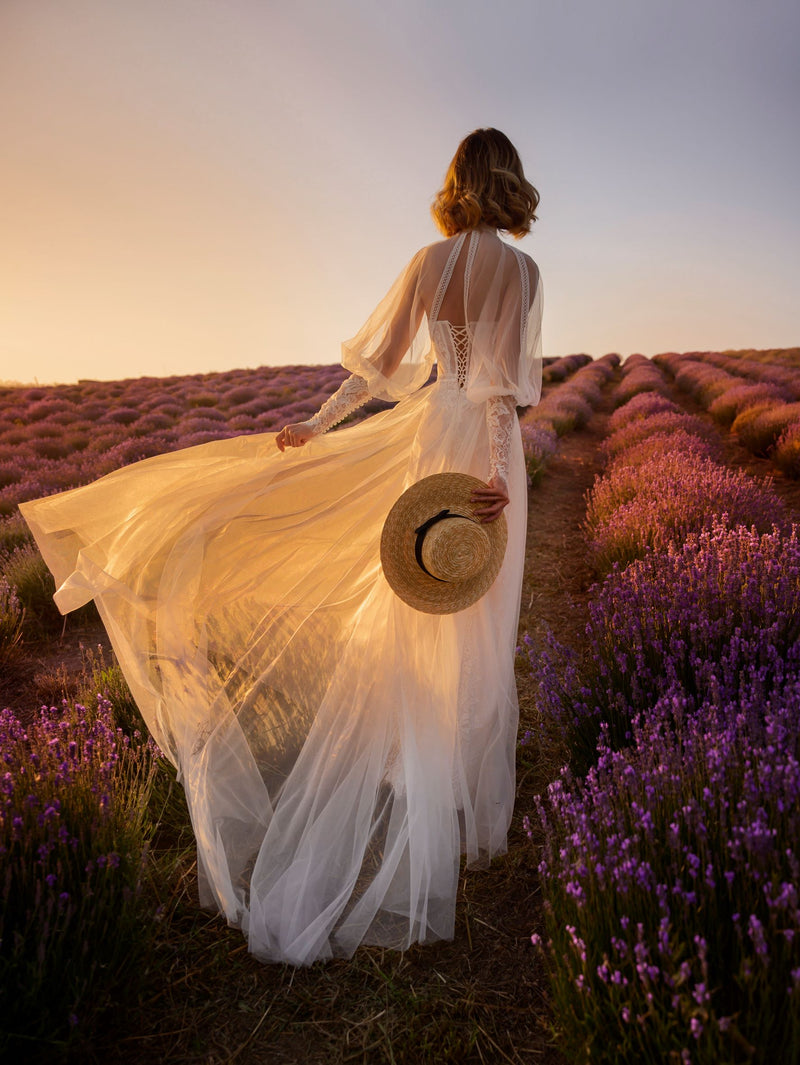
339	747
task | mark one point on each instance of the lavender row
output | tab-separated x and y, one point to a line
664	481
761	408
669	866
671	883
562	409
776	371
639	374
710	617
556	370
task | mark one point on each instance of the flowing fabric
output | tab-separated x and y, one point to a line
339	750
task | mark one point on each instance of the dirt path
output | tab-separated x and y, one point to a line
49	669
557	576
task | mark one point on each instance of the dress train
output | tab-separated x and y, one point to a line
338	748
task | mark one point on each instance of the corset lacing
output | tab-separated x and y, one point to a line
461	346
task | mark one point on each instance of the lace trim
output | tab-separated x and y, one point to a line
500	415
473	247
351	394
445	278
526	300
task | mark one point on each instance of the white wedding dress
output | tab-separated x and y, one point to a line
339	749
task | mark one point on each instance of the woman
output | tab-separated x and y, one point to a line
339	748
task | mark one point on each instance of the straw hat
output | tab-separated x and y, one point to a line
436	555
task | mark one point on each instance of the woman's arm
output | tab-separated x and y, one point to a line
351	394
501	413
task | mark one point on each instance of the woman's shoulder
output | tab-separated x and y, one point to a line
520	254
438	250
430	262
432	258
532	267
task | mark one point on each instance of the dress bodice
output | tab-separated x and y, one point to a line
452	344
465	300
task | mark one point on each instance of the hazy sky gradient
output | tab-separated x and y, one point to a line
196	185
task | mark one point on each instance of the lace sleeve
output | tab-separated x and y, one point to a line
351	394
500	415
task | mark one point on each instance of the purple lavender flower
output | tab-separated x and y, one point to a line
53	851
665	499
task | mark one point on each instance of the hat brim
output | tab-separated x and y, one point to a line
398	541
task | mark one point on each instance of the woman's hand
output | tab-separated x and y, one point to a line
294	435
492	499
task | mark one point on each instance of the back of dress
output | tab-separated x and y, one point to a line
481	318
487	292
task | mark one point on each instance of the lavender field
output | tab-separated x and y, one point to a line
655	860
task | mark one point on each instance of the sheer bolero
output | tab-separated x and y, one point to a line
475	280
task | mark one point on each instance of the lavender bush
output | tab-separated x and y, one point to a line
639	375
539	443
103	676
659	444
670	878
742	395
14	532
73	837
663	422
12	615
670	873
702	381
663	500
641	406
569	412
570	405
563	409
25	571
777	367
757	400
560	369
66	435
787	451
759	427
714	615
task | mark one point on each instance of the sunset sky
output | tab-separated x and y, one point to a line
198	185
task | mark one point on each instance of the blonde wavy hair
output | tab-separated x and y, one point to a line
485	185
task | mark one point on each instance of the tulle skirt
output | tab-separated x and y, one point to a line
339	750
